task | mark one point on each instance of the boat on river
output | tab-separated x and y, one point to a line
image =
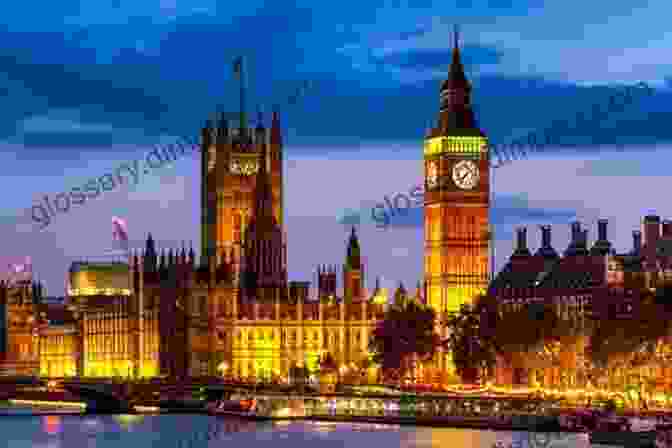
413	410
243	408
621	432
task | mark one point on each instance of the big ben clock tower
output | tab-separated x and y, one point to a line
457	198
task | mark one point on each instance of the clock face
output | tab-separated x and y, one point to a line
432	174
465	174
243	167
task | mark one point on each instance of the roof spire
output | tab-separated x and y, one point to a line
456	37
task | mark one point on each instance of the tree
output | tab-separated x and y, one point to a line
629	340
471	339
483	330
404	336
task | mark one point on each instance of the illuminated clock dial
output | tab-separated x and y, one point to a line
432	174
465	174
243	167
234	166
250	167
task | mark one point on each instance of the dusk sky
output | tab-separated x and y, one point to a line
88	87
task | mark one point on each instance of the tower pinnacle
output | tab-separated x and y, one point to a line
456	115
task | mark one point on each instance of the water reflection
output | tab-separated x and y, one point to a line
51	424
541	440
128	421
190	431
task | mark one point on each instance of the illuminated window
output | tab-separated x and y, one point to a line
237	225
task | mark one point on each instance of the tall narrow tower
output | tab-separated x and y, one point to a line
457	198
231	157
352	271
264	264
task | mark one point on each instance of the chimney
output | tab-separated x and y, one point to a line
579	241
636	241
521	242
651	230
546	250
602	246
522	238
546	236
602	229
667	229
576	232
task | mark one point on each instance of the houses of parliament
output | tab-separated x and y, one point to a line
232	310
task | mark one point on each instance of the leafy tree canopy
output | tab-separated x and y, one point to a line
405	332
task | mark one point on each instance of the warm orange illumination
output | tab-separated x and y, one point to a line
64	404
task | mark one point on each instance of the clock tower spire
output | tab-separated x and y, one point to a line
457	197
456	113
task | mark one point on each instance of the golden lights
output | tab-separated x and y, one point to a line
93	291
451	144
451	298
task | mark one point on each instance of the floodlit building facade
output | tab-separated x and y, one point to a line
582	284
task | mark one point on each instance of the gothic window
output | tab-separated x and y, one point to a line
237	225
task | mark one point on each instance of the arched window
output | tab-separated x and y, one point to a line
237	225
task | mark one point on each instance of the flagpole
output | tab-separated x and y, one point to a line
241	74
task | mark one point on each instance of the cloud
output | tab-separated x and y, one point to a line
167	205
439	58
111	83
506	210
623	164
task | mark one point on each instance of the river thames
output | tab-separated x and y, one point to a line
191	431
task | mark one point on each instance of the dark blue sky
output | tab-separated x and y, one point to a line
87	86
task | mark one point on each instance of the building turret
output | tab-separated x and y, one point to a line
352	270
150	257
183	256
264	249
192	256
208	198
276	132
636	242
162	261
546	249
260	130
400	295
521	244
419	293
652	234
602	245
326	281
